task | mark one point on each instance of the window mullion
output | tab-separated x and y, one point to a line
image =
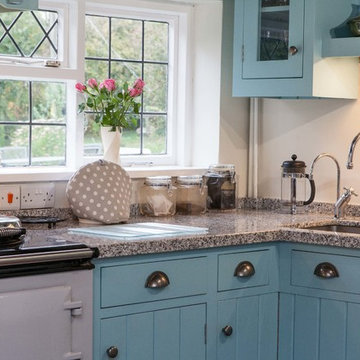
110	40
142	96
30	121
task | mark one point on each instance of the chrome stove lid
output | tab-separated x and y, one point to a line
11	232
9	222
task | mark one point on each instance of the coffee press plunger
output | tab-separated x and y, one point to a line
293	186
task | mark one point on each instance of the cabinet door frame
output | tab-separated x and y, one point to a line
176	332
254	323
252	67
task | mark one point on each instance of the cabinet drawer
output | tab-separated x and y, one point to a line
245	262
303	265
126	284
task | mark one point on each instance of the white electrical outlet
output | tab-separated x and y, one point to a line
9	197
37	196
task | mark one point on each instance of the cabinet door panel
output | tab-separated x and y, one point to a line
273	30
140	336
353	332
176	334
167	339
332	329
254	323
306	327
318	329
192	333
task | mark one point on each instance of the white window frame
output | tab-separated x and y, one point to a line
70	22
175	17
71	30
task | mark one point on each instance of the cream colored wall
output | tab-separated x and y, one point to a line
307	128
234	112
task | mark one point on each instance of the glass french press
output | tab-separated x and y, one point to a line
293	186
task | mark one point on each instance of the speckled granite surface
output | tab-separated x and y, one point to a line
275	205
225	229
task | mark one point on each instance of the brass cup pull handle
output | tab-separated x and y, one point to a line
244	270
293	50
326	270
112	352
227	330
157	280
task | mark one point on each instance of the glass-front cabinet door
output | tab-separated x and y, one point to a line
273	38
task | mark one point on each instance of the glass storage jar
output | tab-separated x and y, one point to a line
221	184
191	195
158	196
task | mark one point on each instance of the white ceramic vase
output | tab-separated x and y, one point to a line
111	143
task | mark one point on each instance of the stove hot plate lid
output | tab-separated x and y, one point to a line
11	232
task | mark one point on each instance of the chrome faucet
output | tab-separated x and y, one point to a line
342	201
349	163
322	155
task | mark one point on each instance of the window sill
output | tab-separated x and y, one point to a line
23	175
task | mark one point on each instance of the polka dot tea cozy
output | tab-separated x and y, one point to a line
100	191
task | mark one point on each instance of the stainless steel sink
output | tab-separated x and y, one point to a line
350	229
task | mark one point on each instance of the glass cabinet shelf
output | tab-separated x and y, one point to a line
274	3
270	9
274	30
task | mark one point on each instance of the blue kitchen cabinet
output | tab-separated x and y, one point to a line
319	304
247	308
281	301
18	5
151	307
278	50
173	333
280	27
183	320
318	328
247	328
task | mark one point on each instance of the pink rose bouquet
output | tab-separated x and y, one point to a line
113	105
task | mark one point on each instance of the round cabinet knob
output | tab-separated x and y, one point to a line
112	352
293	50
227	330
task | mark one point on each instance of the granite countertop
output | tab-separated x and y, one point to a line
225	229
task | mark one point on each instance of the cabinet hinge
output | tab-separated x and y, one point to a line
205	334
242	53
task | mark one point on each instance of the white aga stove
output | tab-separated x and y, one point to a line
46	301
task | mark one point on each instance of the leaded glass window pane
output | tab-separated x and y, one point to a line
127	49
32	123
29	34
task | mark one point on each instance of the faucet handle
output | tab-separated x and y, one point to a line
350	191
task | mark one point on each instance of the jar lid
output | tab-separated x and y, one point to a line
218	170
158	180
222	167
294	165
189	180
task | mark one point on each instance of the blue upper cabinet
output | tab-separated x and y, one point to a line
266	47
278	48
8	5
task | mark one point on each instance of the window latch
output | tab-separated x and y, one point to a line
52	63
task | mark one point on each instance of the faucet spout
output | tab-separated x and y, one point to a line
322	155
349	163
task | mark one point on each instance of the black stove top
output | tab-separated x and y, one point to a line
42	245
45	255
